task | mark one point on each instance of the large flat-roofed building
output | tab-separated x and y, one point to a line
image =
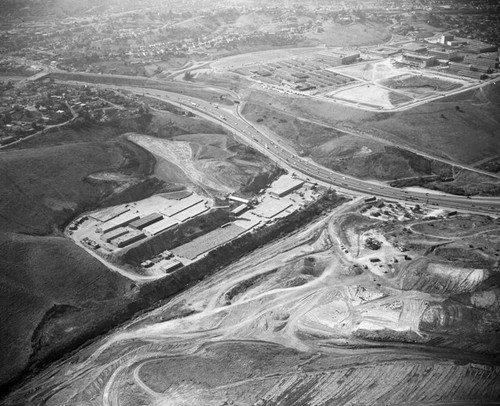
335	59
239	199
169	265
191	212
239	210
480	64
108	237
146	221
420	60
442	53
129	238
109	213
415	48
164	224
182	204
446	38
120	221
479	47
285	185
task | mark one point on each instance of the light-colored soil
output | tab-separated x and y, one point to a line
300	321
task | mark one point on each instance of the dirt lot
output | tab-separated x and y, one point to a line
311	318
209	162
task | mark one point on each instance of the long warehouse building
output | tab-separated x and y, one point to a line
107	237
146	221
120	221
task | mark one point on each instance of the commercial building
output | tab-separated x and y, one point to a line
146	221
285	185
107	237
129	238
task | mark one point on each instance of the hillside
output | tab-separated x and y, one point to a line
51	291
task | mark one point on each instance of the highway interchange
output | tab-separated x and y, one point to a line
268	143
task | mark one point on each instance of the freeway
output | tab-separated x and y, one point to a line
268	143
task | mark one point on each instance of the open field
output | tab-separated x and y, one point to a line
311	319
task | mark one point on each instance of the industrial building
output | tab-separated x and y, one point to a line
446	38
169	265
422	61
239	210
182	204
107	237
285	185
108	214
305	86
164	224
484	65
335	59
479	47
456	66
146	221
472	74
191	212
239	199
443	53
129	238
120	221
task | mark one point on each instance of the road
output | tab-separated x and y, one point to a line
268	143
